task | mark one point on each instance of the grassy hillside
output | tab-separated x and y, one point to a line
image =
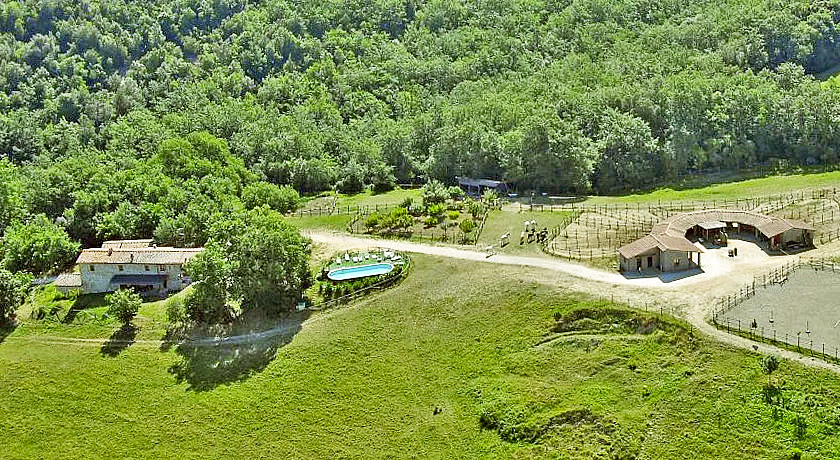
459	361
772	185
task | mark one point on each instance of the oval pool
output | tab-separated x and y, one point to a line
349	273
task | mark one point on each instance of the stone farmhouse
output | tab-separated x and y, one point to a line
129	264
669	248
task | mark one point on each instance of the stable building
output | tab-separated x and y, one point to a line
130	264
669	248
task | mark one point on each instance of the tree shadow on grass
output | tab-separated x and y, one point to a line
81	303
207	362
119	340
6	330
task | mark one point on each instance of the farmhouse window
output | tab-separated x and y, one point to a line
92	268
676	260
161	268
120	267
146	267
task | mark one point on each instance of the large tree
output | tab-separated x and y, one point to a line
38	246
253	259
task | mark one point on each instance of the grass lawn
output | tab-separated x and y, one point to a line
337	222
732	190
366	198
458	361
503	221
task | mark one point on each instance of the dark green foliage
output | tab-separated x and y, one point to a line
282	199
123	305
207	301
37	246
254	259
13	288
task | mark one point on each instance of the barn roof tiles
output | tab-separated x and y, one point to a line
147	255
120	244
69	280
669	234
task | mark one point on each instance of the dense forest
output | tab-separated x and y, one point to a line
140	118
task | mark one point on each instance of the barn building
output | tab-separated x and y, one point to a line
475	187
669	248
129	264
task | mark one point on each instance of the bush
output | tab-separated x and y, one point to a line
467	225
436	210
372	221
282	199
430	221
13	289
453	215
123	305
434	193
176	310
455	192
475	208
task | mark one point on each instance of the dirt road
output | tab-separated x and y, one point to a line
696	293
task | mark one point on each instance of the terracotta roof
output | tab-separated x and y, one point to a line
118	244
151	256
669	234
661	242
69	280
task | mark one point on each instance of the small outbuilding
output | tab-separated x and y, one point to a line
667	248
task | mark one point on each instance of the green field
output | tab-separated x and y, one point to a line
458	361
772	185
366	198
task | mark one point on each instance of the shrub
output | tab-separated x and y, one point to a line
372	221
282	199
434	193
467	225
123	304
13	289
407	203
430	221
475	208
455	192
453	215
435	210
176	310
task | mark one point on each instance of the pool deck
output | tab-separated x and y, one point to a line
360	259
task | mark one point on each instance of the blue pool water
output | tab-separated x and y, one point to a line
341	274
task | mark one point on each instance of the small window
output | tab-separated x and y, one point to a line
146	267
92	268
161	268
120	267
676	260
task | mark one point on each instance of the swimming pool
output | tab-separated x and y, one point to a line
349	273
